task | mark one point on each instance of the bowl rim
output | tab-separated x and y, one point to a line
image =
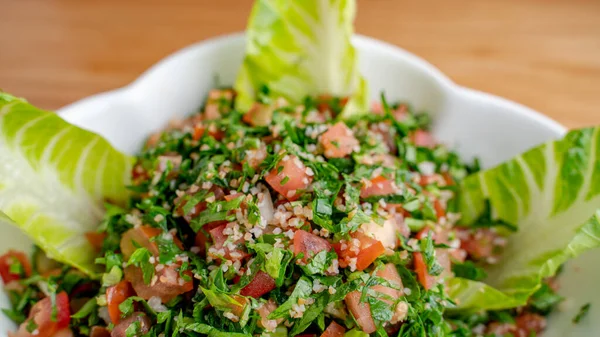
360	42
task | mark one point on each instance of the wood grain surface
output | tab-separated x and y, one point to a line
541	53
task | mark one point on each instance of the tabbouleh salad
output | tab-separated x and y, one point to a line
282	221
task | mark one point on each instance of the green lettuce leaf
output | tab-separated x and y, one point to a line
54	179
299	49
552	194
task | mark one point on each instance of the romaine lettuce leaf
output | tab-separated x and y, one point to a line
299	49
552	193
54	179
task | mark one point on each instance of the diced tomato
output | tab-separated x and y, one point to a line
377	108
324	102
422	234
368	251
211	111
264	311
390	274
219	239
448	178
99	331
41	315
442	255
480	243
200	241
309	244
338	141
141	236
423	139
426	280
259	115
233	196
369	254
115	295
238	309
289	178
440	209
218	100
376	187
400	112
144	325
334	330
169	160
261	284
96	239
152	140
138	173
7	260
361	311
221	94
66	332
200	129
255	157
167	285
529	324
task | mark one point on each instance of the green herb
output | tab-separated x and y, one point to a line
134	329
141	258
583	311
469	271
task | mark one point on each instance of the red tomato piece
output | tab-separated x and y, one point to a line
219	239
261	284
529	324
324	102
426	280
334	330
479	244
167	285
7	260
200	129
96	239
338	141
361	312
440	209
377	108
259	115
309	244
377	186
99	331
41	315
115	295
140	235
368	255
289	177
390	274
423	138
369	250
145	324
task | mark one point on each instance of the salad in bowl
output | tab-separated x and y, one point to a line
289	204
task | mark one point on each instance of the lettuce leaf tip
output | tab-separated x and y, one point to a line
552	194
299	49
54	179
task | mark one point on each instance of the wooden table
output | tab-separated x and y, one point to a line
544	53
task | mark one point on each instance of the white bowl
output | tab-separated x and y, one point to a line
474	123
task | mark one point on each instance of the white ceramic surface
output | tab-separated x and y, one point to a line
474	123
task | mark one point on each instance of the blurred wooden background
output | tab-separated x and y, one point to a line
542	53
